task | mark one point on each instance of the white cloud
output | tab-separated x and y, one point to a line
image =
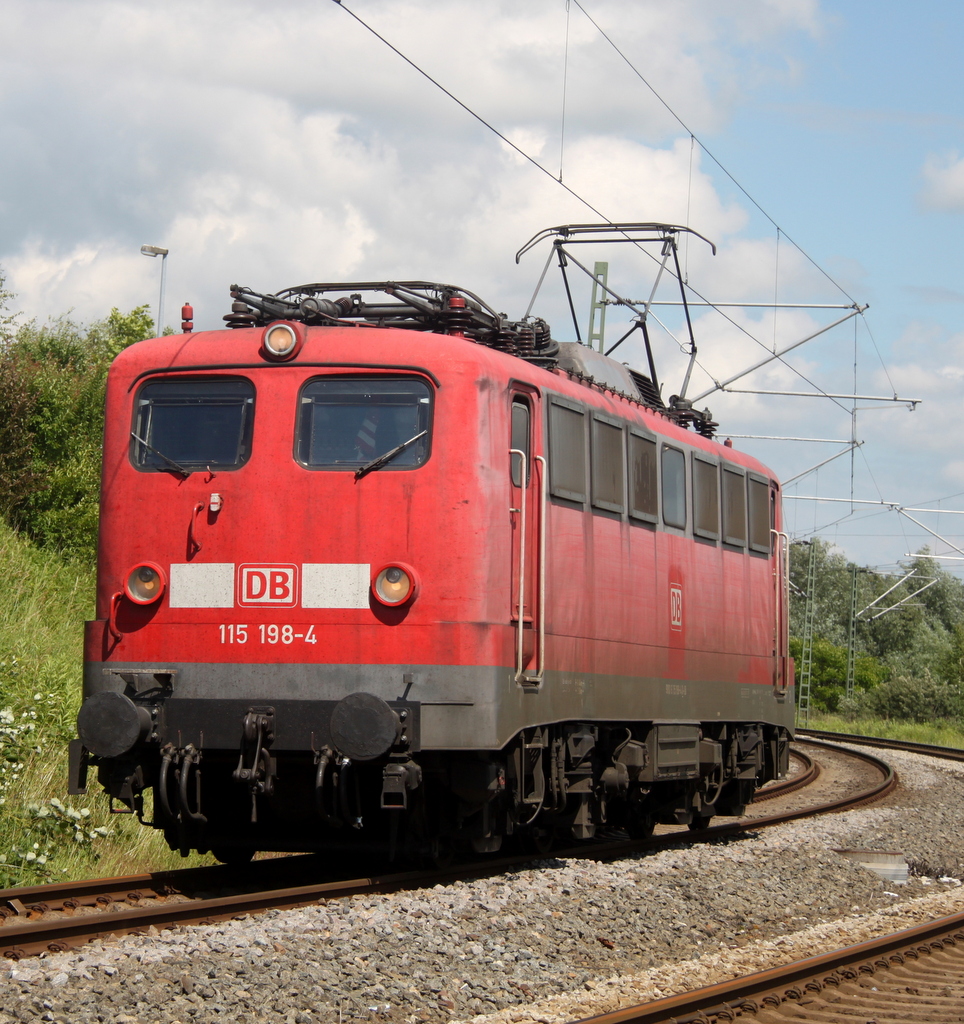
275	144
78	281
929	365
954	473
943	183
285	143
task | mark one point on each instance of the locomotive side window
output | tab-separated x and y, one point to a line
608	486
734	507
349	422
193	424
567	451
643	502
706	499
759	508
519	440
674	487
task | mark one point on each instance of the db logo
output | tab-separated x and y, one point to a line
268	584
675	606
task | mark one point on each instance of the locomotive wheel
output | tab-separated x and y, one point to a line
537	840
437	854
700	822
640	826
233	856
486	844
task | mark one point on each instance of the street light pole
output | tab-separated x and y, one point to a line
156	250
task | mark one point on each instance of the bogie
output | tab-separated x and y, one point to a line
553	780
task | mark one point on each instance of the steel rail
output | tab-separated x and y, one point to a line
102	892
768	989
29	932
930	749
809	775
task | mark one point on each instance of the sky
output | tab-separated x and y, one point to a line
818	143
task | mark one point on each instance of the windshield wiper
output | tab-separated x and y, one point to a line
377	463
176	465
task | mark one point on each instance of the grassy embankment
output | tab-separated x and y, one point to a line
44	833
941	733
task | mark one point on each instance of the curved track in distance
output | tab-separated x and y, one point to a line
930	749
914	975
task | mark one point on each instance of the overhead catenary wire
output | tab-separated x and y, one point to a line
478	117
708	152
781	233
589	205
535	163
565	86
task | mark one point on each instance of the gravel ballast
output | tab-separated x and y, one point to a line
556	942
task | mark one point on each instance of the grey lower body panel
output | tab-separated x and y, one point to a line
455	707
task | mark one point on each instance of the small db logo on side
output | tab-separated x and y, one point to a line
675	606
268	584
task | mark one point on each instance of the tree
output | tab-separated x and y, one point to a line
52	380
8	320
828	679
951	667
831	590
921	639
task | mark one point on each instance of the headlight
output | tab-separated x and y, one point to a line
394	585
282	340
145	583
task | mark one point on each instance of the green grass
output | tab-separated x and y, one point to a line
941	732
44	601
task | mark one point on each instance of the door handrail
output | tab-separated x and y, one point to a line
523	473
781	635
535	679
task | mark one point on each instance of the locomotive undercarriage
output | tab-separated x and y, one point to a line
554	781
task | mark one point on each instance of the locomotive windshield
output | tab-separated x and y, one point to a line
193	424
346	422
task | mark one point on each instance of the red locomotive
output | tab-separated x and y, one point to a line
402	573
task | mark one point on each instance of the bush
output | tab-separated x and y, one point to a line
45	832
851	708
915	699
16	732
18	476
828	679
52	381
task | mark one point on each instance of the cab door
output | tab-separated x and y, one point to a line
527	513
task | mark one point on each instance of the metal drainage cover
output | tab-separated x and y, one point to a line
891	866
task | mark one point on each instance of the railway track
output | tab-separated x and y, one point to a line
809	773
931	750
916	974
913	975
53	918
